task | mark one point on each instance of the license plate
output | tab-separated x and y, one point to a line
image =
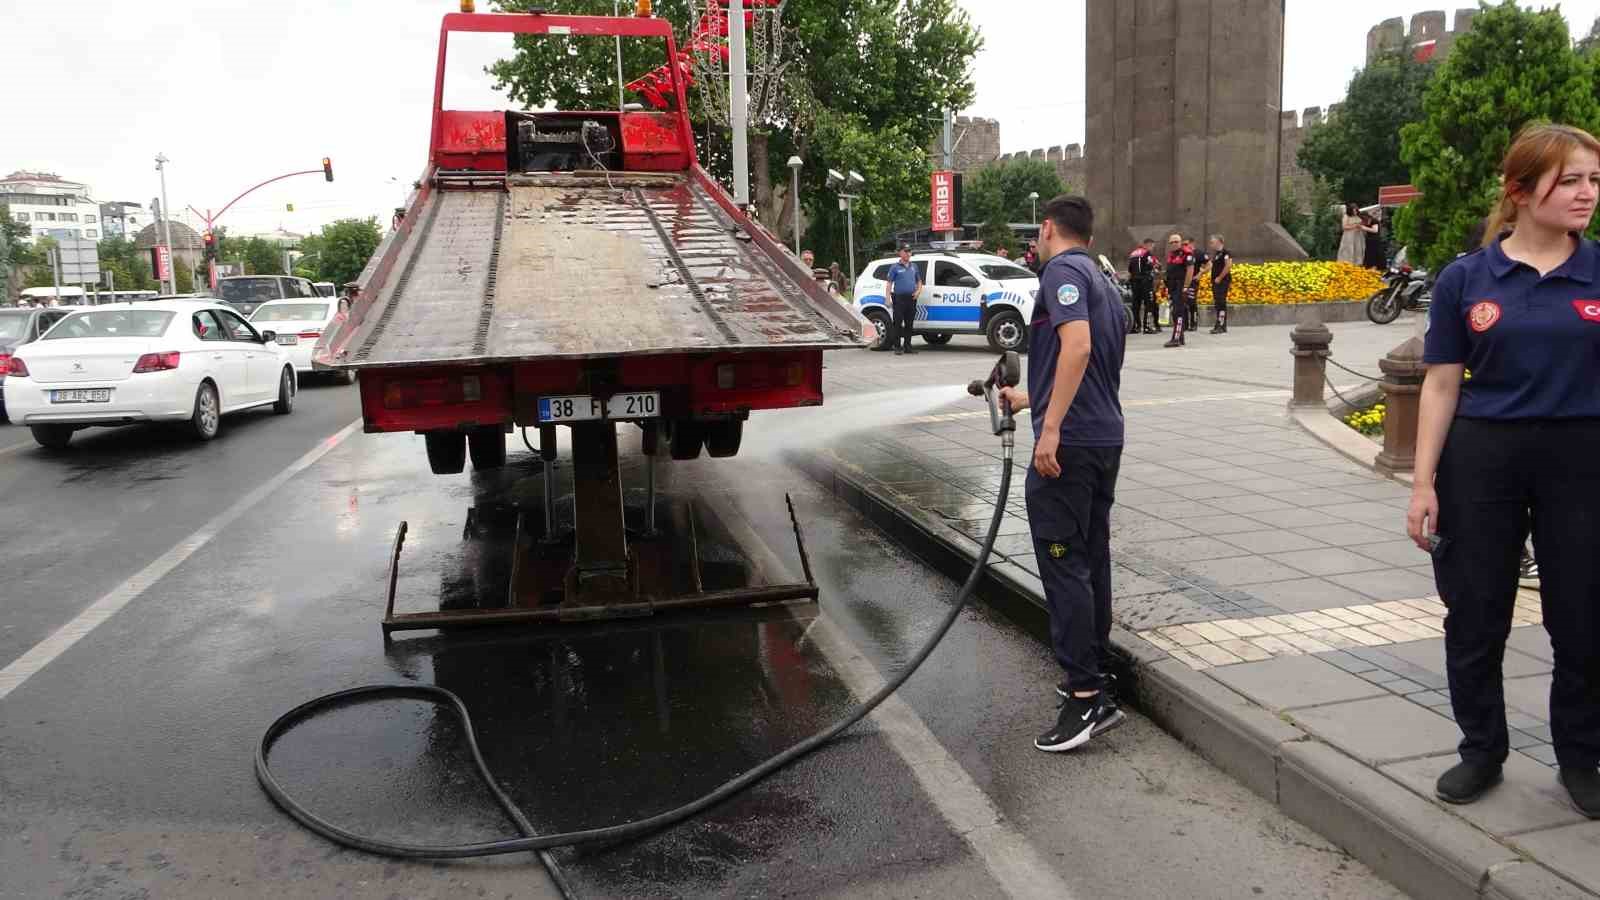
288	340
91	395
584	408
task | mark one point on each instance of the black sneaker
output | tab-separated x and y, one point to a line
1466	782
1173	343
898	351
1080	719
910	351
1583	786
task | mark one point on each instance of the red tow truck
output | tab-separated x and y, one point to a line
579	269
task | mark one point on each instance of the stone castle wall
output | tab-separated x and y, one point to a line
1428	33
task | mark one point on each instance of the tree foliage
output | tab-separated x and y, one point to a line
340	251
867	82
182	275
999	191
128	265
1313	222
1358	150
1514	67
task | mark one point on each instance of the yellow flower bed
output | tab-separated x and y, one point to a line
1369	421
1277	283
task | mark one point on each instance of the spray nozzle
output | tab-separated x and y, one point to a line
1007	372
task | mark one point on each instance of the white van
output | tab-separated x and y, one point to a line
967	293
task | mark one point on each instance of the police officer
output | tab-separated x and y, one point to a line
903	284
1142	279
1221	280
1179	276
1514	448
1075	348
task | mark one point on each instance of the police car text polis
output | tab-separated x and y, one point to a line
962	293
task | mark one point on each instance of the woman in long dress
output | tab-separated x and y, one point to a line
1353	245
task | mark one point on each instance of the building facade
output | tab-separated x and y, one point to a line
50	205
122	219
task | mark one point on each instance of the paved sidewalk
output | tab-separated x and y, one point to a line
1254	557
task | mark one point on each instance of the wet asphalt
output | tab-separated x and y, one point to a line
125	763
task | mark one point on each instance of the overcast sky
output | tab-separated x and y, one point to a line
237	91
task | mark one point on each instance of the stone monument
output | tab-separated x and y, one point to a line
1183	123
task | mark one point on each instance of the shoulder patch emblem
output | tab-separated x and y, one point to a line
1067	294
1588	310
1483	315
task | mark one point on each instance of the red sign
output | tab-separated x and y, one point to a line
944	201
1397	194
161	262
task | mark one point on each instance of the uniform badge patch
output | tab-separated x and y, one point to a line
1483	315
1058	550
1588	310
1067	294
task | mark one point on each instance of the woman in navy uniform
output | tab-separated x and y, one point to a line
1514	448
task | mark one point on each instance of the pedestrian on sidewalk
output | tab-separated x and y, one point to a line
1513	448
1076	343
1221	280
902	285
1179	275
1142	279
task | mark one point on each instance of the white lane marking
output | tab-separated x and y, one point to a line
1011	859
47	650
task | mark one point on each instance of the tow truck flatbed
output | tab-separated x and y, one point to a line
582	265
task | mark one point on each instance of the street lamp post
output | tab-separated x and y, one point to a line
1033	197
166	225
794	166
849	187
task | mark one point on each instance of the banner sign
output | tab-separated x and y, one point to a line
161	262
944	201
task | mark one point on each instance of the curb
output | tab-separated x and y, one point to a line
1418	846
1351	444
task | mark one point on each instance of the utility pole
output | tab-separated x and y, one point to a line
166	224
55	266
950	159
739	101
616	10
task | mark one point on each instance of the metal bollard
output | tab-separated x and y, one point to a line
1311	341
1403	371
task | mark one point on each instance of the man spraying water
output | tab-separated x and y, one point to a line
1075	345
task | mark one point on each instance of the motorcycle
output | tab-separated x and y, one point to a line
1404	288
1119	281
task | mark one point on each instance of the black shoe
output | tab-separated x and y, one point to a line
1173	343
898	351
1081	718
1466	782
1583	786
910	351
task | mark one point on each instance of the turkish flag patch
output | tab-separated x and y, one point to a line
1483	315
1588	310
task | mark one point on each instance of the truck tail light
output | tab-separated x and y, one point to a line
402	394
15	367
156	362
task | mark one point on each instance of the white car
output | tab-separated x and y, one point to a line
299	324
155	361
967	293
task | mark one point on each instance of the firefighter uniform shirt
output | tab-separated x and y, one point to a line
1073	289
1178	261
1218	261
1532	344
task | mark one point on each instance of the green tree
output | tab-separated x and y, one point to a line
340	252
1358	150
1514	67
129	266
261	256
182	275
999	191
1316	230
858	70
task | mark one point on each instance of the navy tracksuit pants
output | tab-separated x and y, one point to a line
1492	475
1070	517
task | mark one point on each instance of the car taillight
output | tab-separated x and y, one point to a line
5	362
310	334
156	362
16	368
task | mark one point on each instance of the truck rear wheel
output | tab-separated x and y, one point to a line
686	440
488	447
447	451
722	439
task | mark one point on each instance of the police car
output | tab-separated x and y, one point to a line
965	293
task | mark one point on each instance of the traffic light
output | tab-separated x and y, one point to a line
210	241
327	168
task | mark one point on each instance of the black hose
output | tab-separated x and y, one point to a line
529	840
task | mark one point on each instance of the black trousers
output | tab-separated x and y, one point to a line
1219	302
1144	304
905	313
1070	517
1496	479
